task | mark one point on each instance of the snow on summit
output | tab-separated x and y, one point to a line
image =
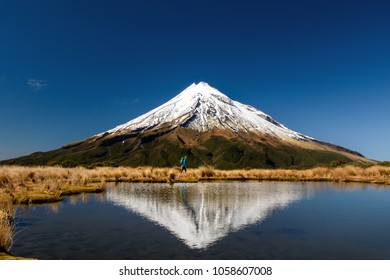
202	107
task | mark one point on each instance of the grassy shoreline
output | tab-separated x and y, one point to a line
27	185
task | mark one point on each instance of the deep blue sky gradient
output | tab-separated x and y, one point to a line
71	69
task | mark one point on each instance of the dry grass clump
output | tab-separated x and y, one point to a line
6	225
7	256
206	172
42	184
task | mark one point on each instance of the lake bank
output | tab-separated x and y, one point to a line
26	185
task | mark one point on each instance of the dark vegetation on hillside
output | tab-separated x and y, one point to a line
217	152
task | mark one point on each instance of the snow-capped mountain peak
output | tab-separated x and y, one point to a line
203	91
207	126
202	107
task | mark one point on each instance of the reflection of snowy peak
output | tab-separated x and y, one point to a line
203	213
202	107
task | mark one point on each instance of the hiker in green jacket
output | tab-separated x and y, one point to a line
183	162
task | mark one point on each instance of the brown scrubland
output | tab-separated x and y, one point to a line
26	185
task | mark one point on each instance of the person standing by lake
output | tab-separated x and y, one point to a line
183	162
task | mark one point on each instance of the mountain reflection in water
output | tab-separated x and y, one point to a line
202	213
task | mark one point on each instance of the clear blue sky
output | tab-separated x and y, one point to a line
70	69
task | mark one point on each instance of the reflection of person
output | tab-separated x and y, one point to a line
183	193
183	162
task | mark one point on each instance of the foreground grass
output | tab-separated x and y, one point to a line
25	185
6	225
7	256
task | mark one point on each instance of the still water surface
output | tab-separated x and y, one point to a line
230	220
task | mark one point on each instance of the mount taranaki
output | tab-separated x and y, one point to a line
208	127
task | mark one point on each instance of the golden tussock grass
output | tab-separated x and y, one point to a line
43	184
6	225
7	256
23	185
19	183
